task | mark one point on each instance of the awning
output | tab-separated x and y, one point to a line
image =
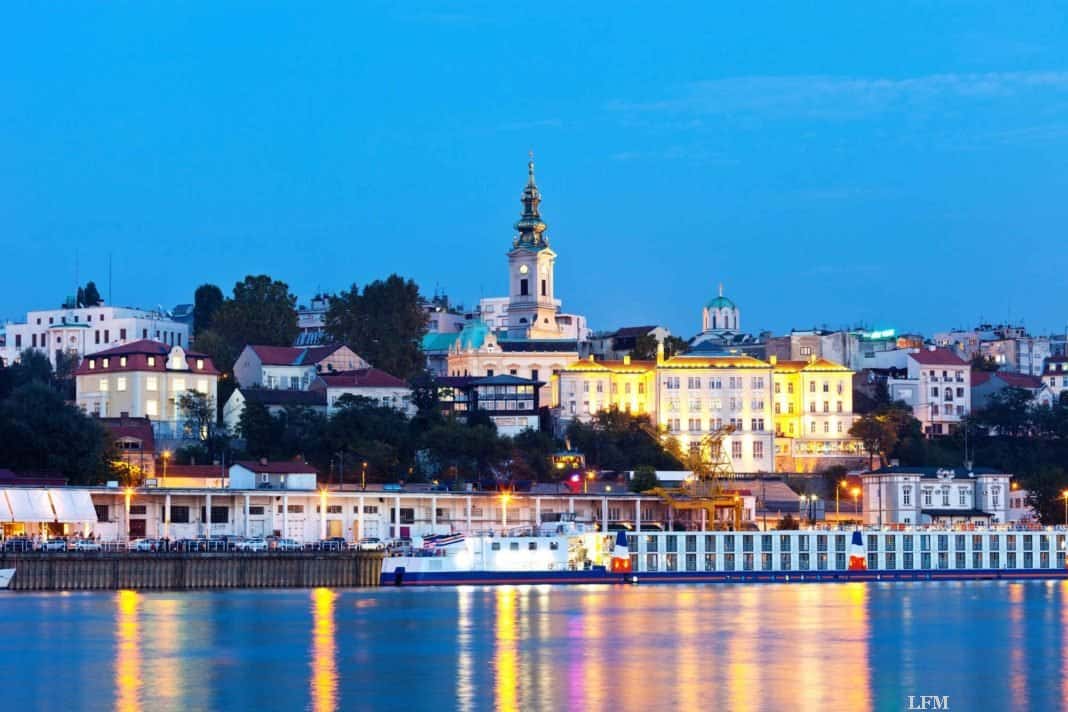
5	510
30	505
72	505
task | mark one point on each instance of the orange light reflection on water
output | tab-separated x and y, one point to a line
324	682
504	657
128	654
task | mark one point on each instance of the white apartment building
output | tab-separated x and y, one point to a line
938	388
929	495
86	330
697	396
1055	374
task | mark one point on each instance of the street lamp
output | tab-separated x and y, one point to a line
837	490
856	503
586	482
363	476
1064	494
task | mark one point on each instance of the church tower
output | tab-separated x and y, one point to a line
531	306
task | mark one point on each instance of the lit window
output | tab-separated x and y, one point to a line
202	386
151	408
120	383
151	360
200	364
178	385
103	385
105	363
92	364
151	384
122	361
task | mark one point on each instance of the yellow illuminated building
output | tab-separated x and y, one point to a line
813	411
588	387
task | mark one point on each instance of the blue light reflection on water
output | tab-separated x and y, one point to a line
802	646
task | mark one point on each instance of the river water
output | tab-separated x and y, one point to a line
853	646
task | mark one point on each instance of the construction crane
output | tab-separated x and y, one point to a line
709	463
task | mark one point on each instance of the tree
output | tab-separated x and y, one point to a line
674	345
536	447
788	523
198	413
262	311
384	324
91	296
1045	493
206	302
617	440
644	479
644	348
877	435
258	428
40	432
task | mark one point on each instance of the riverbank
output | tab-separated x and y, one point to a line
78	571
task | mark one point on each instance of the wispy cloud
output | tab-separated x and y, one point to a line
529	125
829	97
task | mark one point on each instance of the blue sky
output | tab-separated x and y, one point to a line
898	164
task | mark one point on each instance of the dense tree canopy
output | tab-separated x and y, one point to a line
384	324
206	302
261	311
40	432
615	440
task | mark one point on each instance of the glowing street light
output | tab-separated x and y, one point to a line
837	490
856	503
586	483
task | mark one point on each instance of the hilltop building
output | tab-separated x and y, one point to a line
526	335
79	331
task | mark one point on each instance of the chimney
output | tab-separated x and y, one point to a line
626	359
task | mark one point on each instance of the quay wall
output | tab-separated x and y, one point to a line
90	571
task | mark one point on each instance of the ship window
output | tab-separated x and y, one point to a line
514	546
532	546
496	546
554	545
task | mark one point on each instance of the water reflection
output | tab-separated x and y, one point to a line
505	654
128	653
324	678
729	647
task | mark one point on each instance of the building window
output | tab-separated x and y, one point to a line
151	383
103	385
945	496
544	287
120	383
524	288
92	364
200	364
758	450
963	498
178	385
927	498
906	496
806	350
736	449
151	361
151	408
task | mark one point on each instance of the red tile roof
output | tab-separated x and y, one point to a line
137	354
1019	380
938	357
278	468
362	378
136	428
980	377
192	471
293	355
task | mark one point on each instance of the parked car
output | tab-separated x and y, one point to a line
18	544
251	545
287	545
147	545
232	541
334	543
371	543
54	545
87	545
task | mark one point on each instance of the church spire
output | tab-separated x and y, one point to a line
530	227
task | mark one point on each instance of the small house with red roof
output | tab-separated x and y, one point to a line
292	367
373	383
135	444
938	389
987	383
144	379
1055	374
